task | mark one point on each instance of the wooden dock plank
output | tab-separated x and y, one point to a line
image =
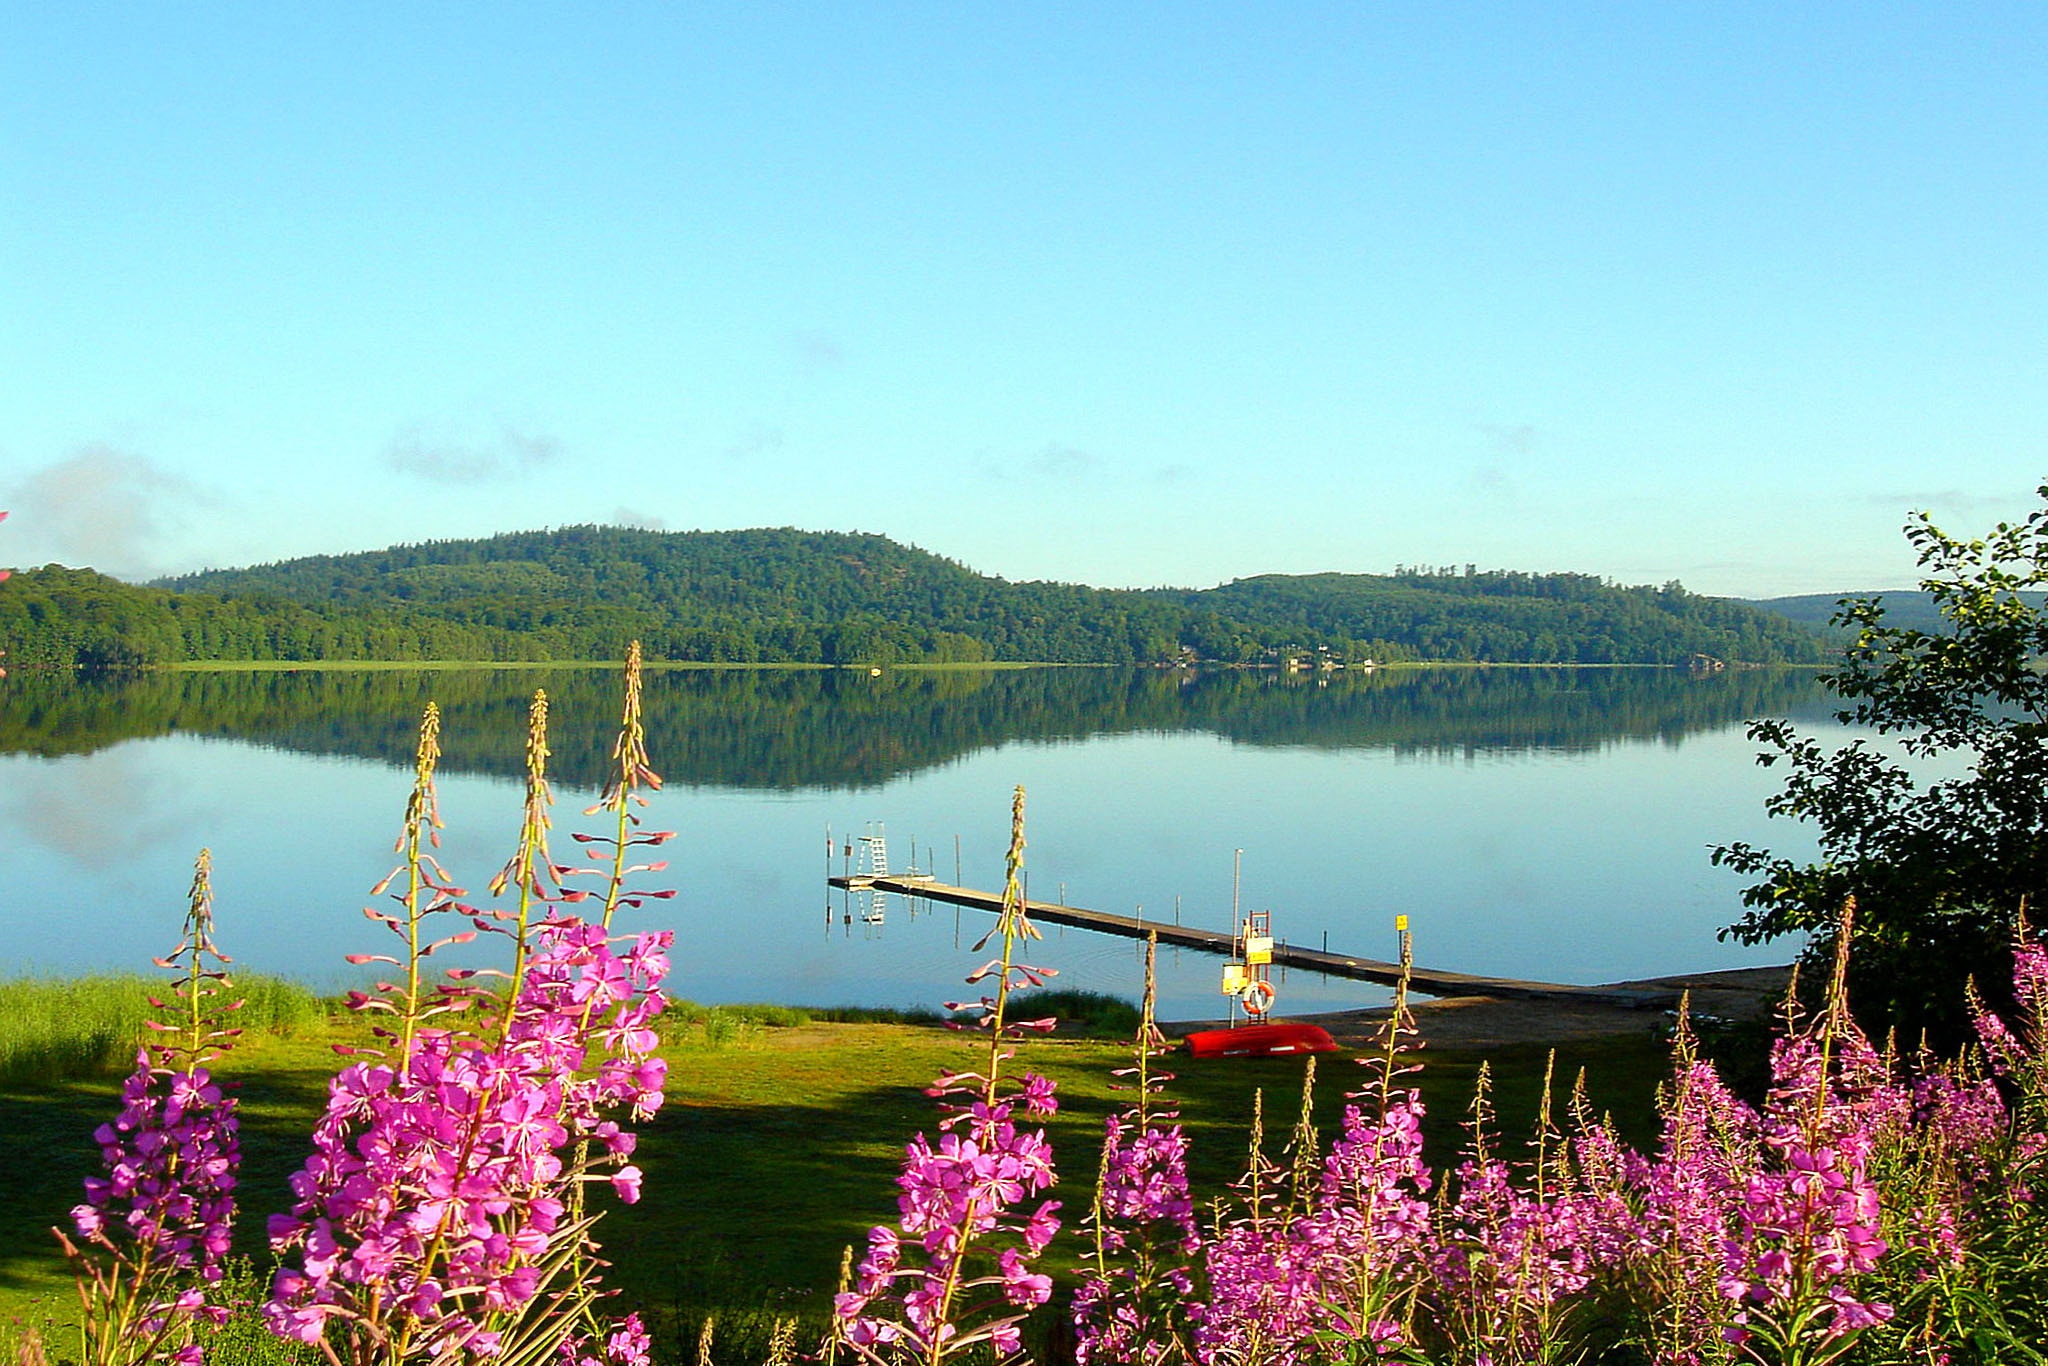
1423	981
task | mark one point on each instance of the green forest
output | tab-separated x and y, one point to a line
788	596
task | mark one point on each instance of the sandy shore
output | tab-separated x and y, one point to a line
1480	1022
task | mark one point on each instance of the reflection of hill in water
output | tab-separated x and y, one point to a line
789	729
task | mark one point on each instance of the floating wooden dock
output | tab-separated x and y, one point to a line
1423	981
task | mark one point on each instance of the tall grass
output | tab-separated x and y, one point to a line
1082	1014
52	1028
275	1005
739	1025
766	1016
758	1014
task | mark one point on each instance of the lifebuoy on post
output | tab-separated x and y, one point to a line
1256	998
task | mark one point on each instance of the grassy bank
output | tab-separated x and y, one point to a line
59	1028
778	1146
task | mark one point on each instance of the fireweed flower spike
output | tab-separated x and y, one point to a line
1850	1215
421	889
1132	1302
1810	1216
2020	1058
1263	1296
935	1286
164	1210
631	772
1326	1273
1333	1273
440	1217
1946	1182
531	872
1371	1219
1691	1195
1513	1255
1961	1191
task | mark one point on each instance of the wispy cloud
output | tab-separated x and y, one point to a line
1953	502
820	350
1065	462
756	440
1055	460
509	452
1515	439
1506	448
633	517
107	508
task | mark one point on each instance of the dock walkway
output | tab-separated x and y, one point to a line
1424	981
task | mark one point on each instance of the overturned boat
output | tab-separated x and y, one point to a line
1260	1041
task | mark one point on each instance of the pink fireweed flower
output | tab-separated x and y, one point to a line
1967	1118
1807	1228
2016	1049
1331	1272
1508	1254
1613	1227
2030	977
1292	1289
170	1159
628	1344
1145	1183
971	1184
1266	1296
162	1210
1809	1221
1146	1229
1691	1193
1372	1205
437	1186
926	1289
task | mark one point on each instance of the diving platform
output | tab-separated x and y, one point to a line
1423	981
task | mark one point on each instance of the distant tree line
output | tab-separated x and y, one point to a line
831	598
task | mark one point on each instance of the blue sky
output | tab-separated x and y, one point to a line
1117	293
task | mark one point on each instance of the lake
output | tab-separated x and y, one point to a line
1543	823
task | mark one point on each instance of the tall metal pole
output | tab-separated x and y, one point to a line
1236	885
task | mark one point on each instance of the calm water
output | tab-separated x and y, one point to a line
1539	823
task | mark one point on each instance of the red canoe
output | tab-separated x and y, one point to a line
1261	1041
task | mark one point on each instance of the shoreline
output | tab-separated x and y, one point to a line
1483	1022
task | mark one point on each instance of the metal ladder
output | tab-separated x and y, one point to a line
874	860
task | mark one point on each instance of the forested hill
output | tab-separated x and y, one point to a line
1912	608
834	598
1507	616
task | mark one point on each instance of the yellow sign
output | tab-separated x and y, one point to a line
1233	979
1258	951
1401	924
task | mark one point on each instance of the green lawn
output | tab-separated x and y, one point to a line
773	1153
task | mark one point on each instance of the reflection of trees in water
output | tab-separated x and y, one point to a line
1457	710
792	728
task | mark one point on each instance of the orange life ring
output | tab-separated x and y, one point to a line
1256	998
